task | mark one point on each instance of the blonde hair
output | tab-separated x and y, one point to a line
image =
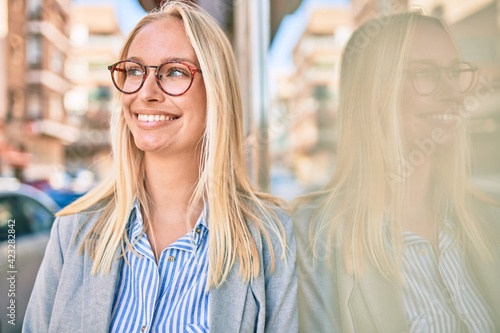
364	201
223	181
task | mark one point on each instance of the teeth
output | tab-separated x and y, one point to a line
151	118
442	116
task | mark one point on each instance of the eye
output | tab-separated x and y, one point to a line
174	71
455	73
177	72
424	73
134	71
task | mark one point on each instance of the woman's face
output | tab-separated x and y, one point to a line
158	122
428	121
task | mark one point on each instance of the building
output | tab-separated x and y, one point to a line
96	40
57	88
33	120
306	98
363	10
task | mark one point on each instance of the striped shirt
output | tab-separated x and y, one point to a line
439	293
170	296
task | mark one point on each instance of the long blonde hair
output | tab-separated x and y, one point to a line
223	181
364	201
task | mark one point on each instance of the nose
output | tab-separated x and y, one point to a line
150	89
449	88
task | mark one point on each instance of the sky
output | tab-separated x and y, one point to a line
290	30
128	12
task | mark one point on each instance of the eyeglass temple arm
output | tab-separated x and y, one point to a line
111	67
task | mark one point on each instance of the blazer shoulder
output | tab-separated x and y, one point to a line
75	227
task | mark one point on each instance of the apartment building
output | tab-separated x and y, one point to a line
58	94
33	119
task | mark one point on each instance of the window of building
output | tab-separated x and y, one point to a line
15	104
34	9
34	105
34	51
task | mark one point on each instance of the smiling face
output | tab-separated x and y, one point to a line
433	116
158	122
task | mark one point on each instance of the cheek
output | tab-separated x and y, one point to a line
409	100
126	102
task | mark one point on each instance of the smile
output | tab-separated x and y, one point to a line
153	118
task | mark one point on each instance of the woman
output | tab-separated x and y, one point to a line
398	241
176	239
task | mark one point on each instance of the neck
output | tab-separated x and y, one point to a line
170	183
421	214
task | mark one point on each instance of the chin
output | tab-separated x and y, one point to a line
147	146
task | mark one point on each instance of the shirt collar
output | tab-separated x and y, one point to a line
136	222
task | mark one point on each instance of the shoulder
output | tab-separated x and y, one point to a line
74	227
273	235
489	214
277	224
304	216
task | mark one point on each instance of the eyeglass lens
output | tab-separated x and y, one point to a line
174	78
426	78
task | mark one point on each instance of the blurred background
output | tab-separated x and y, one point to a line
56	95
56	98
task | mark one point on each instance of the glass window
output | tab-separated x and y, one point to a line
34	105
34	51
34	8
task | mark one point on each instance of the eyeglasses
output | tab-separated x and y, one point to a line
426	77
174	77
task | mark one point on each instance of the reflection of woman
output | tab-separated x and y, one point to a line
408	245
176	240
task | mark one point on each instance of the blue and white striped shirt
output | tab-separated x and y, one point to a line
439	294
170	296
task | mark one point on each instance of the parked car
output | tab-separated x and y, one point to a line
26	216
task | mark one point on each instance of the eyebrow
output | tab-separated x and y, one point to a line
430	61
168	59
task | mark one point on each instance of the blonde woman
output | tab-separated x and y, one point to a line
176	239
398	240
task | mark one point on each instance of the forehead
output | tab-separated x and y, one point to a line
430	43
162	40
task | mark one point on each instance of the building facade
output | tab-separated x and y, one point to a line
305	99
56	85
33	120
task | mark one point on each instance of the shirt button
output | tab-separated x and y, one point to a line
171	258
422	251
143	329
197	230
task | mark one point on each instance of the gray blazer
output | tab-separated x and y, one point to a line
332	300
68	298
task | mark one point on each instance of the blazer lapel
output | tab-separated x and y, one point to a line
227	304
371	303
384	302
